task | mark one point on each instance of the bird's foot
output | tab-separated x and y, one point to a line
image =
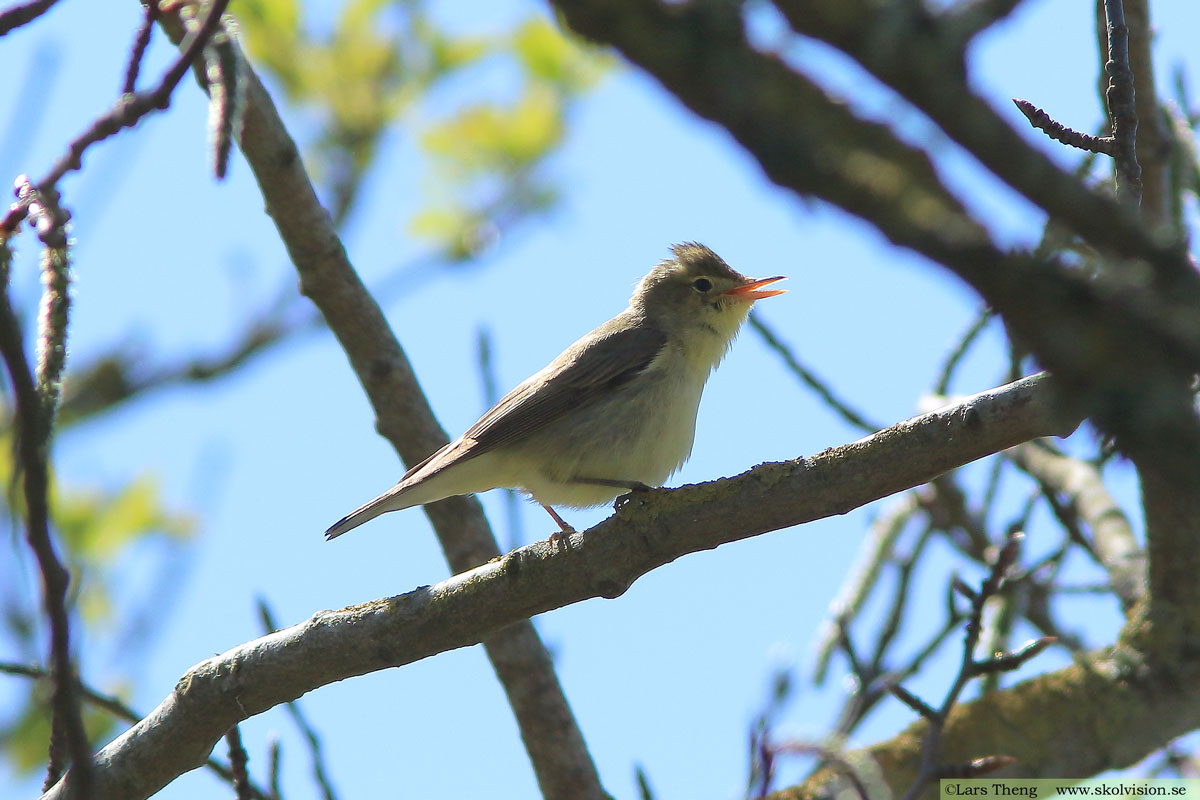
561	539
635	488
562	536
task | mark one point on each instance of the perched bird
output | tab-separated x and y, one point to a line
615	412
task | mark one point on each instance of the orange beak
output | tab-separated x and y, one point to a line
750	290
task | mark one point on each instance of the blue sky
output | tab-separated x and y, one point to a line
669	675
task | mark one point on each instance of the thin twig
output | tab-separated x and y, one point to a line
491	394
809	378
226	98
113	705
15	17
275	757
1122	107
968	338
1105	145
946	503
969	667
875	679
141	41
1157	145
32	453
320	775
1113	543
130	108
900	597
237	764
834	759
876	551
912	701
34	407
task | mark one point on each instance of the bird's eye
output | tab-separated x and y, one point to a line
702	284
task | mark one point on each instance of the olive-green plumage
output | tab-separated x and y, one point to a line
616	410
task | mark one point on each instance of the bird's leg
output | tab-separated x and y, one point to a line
565	527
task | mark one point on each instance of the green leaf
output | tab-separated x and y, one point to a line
548	54
95	525
442	224
543	49
25	741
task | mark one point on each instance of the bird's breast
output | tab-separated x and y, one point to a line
642	433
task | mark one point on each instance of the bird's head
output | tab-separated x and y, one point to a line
695	293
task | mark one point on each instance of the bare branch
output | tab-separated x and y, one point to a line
650	529
1007	662
912	701
556	748
32	445
874	553
51	352
1082	485
320	774
141	41
1122	110
129	109
935	47
1105	145
18	15
114	705
1154	141
237	764
960	350
809	378
930	768
817	146
1033	720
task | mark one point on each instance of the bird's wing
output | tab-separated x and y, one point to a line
577	378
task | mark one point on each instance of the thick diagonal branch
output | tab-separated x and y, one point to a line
809	142
1123	339
649	531
556	748
1098	714
922	55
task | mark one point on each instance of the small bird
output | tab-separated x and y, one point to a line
614	413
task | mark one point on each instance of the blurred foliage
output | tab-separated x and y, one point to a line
25	738
381	62
95	530
487	110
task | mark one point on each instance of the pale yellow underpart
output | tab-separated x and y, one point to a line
542	468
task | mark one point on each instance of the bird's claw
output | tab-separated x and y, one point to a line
562	538
634	489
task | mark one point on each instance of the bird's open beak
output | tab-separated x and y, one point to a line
752	291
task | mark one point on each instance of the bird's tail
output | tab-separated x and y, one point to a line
424	483
389	501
